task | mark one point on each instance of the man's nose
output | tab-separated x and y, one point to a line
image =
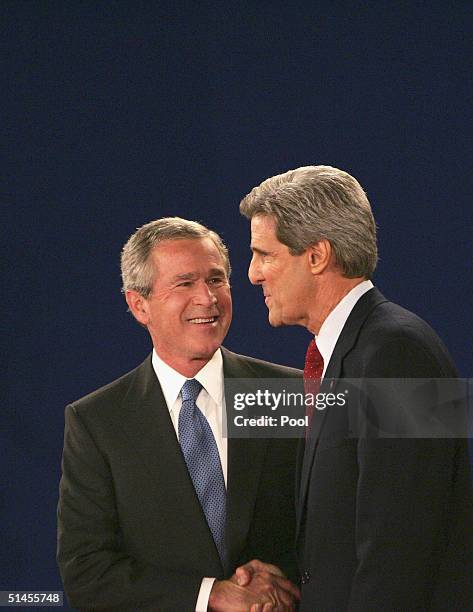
254	272
204	294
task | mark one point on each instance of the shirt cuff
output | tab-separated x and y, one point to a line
204	594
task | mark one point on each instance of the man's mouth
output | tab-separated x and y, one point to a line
203	321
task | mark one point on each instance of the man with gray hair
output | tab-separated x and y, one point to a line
157	508
384	521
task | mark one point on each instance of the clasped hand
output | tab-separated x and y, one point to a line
254	587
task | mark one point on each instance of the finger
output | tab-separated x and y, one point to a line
259	566
275	588
285	601
280	600
284	584
277	583
243	575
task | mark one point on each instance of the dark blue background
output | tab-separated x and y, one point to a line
121	112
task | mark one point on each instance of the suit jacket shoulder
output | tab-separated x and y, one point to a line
382	339
108	395
242	366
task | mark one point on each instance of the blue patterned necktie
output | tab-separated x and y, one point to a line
203	462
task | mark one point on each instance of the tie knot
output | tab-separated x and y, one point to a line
190	390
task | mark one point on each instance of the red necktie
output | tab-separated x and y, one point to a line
314	366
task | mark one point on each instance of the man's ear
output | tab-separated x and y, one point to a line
138	306
320	255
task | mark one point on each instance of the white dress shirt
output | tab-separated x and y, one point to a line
332	327
211	402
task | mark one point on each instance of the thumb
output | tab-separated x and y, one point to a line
243	575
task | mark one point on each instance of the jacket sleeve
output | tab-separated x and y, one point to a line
96	570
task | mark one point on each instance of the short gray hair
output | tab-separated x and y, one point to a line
137	271
319	202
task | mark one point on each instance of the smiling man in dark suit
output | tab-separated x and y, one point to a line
385	514
157	508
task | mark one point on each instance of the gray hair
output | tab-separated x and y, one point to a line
313	203
137	271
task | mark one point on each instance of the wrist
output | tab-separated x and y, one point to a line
214	597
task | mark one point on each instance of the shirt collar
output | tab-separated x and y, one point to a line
210	377
332	326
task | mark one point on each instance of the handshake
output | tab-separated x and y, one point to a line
254	587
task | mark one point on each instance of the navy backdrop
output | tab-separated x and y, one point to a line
117	113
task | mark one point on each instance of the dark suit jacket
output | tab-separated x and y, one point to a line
131	532
384	524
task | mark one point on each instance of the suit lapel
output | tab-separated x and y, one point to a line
245	462
146	422
345	343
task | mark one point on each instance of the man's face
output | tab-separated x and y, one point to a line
285	278
189	310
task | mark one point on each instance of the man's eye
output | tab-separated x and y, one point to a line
260	256
185	284
217	281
